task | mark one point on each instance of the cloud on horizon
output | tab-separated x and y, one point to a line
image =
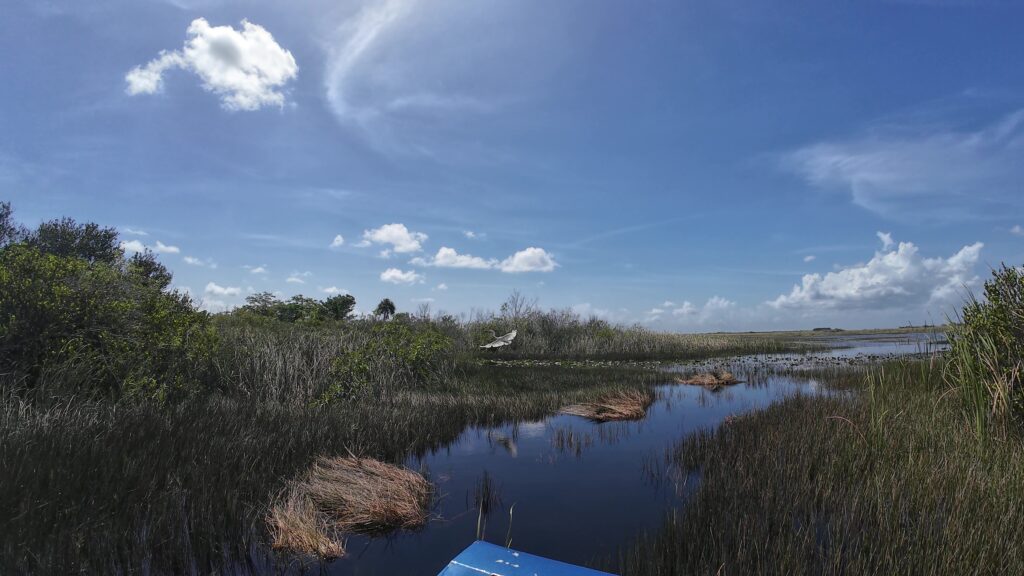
899	278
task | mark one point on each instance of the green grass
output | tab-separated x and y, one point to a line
891	480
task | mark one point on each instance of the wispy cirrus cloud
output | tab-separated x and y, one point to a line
298	277
201	262
912	169
394	77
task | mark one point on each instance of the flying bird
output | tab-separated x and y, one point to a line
498	342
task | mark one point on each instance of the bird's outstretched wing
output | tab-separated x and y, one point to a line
501	341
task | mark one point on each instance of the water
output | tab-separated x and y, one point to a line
882	346
580	490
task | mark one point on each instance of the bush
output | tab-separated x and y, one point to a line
987	351
396	354
75	313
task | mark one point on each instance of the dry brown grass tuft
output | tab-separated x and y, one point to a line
348	495
296	525
710	380
624	405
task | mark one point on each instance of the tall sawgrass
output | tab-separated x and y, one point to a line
987	355
887	481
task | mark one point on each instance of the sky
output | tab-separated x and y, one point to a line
695	166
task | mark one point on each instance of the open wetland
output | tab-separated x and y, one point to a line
572	488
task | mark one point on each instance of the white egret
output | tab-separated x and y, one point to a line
498	342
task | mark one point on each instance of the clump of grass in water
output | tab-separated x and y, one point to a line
348	495
710	380
622	405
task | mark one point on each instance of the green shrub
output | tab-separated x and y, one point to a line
75	312
396	355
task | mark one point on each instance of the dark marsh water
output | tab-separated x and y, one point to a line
580	490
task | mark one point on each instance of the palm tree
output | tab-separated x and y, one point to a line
386	309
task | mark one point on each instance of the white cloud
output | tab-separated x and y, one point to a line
423	300
334	290
1017	230
247	68
218	290
133	246
162	248
298	277
396	276
159	248
711	311
810	258
917	169
899	278
685	309
668	304
886	239
207	263
529	260
442	287
473	235
134	232
338	241
449	258
257	270
400	238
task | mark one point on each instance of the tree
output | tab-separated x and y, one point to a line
10	231
67	238
385	310
339	307
300	308
262	304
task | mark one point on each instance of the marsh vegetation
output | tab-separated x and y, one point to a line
141	434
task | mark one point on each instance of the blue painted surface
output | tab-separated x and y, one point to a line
482	558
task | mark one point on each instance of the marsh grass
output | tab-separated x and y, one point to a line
619	405
100	487
890	480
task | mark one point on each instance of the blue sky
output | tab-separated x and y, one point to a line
687	165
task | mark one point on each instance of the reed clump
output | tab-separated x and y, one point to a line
710	380
348	495
621	405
